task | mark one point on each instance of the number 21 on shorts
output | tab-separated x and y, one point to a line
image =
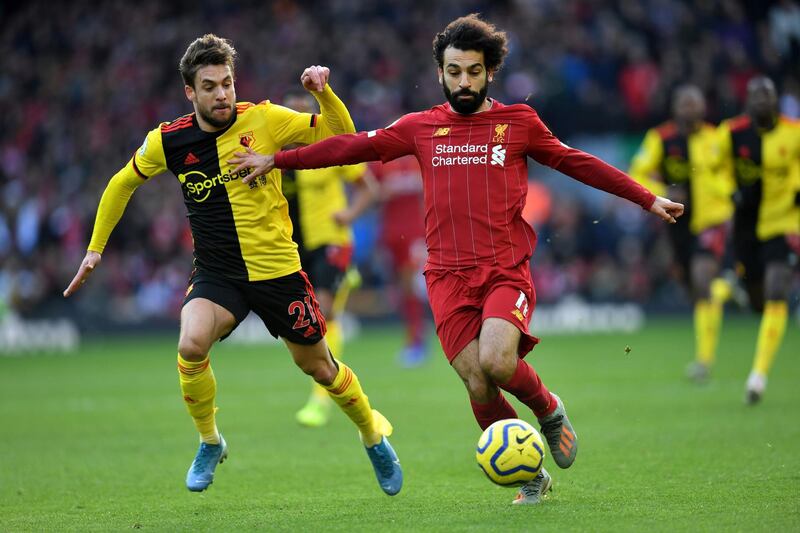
300	308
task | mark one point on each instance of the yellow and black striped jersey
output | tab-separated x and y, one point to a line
766	167
240	231
668	159
314	196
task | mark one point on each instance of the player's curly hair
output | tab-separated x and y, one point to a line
206	50
472	33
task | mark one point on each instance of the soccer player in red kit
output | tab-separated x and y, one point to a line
473	154
403	236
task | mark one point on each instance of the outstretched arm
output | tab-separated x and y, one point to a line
112	205
545	148
339	150
598	174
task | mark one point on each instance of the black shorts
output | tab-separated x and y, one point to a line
754	255
327	265
286	305
682	242
685	244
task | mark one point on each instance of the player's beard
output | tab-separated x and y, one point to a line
465	107
217	123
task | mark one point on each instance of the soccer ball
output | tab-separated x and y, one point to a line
510	452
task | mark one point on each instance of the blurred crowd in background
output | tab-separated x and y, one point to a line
82	82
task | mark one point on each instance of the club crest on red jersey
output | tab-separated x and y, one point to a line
500	133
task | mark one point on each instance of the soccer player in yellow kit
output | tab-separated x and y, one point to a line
679	159
321	219
762	150
244	256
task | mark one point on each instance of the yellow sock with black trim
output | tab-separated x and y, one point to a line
199	390
707	322
346	391
770	335
335	341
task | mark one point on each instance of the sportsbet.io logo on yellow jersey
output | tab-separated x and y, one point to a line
199	186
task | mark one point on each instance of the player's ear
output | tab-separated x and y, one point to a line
441	75
490	76
189	92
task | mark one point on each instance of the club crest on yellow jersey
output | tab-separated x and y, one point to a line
247	139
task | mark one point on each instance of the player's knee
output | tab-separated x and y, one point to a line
703	269
498	365
322	371
191	350
701	289
778	282
479	389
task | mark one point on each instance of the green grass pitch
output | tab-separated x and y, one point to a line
100	441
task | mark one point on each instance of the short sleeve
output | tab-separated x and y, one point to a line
149	159
396	139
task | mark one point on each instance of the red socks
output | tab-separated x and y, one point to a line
488	413
529	389
414	314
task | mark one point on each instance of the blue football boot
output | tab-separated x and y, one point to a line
384	459
387	467
201	473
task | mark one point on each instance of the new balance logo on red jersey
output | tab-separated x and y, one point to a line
191	159
498	155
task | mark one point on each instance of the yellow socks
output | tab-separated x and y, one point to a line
347	393
707	322
770	335
199	390
721	290
333	337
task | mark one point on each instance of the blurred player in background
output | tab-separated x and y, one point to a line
321	219
403	236
762	150
244	256
473	154
680	159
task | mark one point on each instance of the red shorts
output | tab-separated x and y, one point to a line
406	251
462	299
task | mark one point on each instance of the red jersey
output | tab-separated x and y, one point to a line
401	186
475	179
474	174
